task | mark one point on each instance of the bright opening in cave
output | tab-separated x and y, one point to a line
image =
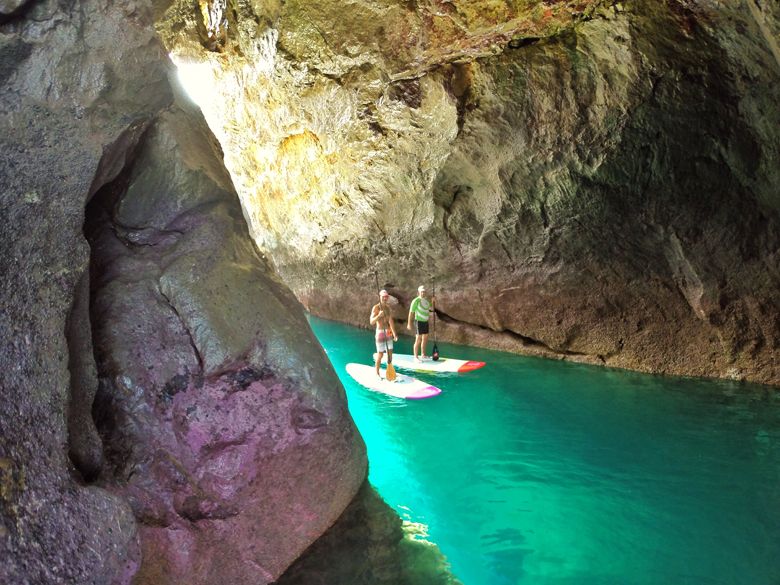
197	79
281	167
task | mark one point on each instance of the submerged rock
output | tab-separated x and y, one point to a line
370	545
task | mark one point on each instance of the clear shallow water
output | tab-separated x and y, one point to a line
532	471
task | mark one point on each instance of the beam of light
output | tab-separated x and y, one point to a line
281	167
197	78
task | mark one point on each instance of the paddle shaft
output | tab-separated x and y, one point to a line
434	312
435	352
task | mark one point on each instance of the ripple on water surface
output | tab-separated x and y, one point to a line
540	472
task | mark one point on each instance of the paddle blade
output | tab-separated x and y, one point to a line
390	374
435	354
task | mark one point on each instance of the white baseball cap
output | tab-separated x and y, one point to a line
421	288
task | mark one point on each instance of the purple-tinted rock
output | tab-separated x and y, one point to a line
184	317
224	423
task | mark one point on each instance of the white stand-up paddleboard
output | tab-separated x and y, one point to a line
403	387
407	362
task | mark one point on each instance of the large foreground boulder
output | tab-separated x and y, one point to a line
224	424
223	446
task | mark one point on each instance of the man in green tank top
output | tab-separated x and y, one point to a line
420	311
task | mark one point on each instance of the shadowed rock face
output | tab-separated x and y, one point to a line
223	447
62	101
600	188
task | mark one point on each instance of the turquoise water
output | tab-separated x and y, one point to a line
532	471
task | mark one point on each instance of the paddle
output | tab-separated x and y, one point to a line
435	354
390	374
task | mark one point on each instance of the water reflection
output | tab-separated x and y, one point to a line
530	471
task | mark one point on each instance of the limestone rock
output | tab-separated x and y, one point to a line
600	188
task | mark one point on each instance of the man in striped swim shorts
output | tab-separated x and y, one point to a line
420	311
382	317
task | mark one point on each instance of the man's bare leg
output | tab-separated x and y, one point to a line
379	355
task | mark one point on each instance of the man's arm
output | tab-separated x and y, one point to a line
412	309
375	314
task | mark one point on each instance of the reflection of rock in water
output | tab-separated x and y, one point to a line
369	545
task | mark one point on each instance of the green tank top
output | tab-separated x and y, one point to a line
421	308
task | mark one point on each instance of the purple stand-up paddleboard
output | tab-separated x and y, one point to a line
403	387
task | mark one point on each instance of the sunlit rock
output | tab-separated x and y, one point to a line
546	166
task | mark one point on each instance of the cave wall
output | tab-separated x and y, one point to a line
223	447
600	187
614	196
610	197
62	102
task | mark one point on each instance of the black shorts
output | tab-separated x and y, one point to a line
422	327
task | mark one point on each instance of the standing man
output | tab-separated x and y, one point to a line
383	319
420	311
